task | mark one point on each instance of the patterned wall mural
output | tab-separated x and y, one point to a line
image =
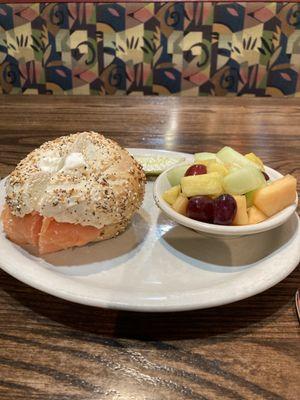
219	49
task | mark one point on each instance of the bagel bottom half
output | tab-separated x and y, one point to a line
111	231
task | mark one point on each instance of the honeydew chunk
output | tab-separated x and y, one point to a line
181	204
175	174
255	215
276	196
206	156
228	155
249	198
216	167
205	162
241	216
206	184
243	180
171	194
254	158
232	167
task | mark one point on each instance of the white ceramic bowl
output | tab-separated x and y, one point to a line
163	184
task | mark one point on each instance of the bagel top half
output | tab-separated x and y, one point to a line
82	178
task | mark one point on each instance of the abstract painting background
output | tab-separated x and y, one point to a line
186	49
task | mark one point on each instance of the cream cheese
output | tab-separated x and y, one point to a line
74	161
50	162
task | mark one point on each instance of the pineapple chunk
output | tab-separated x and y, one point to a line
202	184
241	216
276	196
253	157
255	215
213	166
217	167
171	194
180	204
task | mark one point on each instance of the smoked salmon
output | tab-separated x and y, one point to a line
55	236
23	230
45	233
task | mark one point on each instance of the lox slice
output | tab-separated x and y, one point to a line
45	233
22	230
55	236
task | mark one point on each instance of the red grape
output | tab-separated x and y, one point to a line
201	208
224	209
265	175
196	169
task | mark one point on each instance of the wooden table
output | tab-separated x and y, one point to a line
52	349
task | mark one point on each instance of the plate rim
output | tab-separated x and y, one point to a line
155	307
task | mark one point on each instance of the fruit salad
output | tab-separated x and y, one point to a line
228	188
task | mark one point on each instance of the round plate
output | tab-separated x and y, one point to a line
157	265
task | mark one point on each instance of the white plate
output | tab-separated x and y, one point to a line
157	265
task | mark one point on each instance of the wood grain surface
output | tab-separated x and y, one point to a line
51	349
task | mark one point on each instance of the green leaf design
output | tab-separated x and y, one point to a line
157	55
274	56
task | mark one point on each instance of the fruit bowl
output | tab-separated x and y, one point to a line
162	184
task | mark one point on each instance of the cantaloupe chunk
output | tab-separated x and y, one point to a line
171	194
241	216
255	215
180	204
276	196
